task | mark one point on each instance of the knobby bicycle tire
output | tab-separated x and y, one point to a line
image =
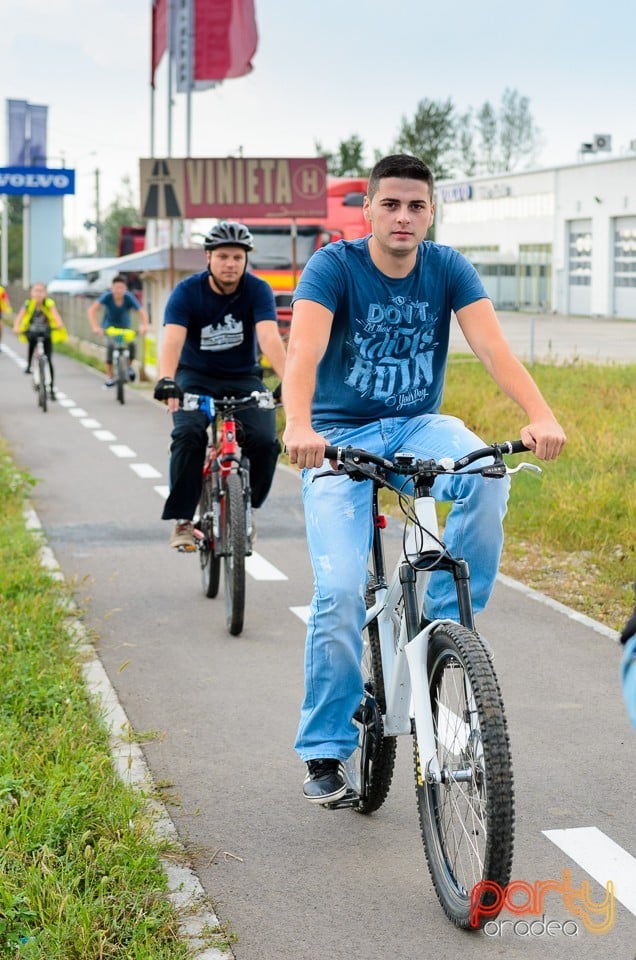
122	376
467	821
42	398
208	558
234	550
381	766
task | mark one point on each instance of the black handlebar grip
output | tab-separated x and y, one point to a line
517	446
331	453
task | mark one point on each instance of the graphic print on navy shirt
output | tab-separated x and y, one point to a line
226	334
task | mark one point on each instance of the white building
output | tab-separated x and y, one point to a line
561	239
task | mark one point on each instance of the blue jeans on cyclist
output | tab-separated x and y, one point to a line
339	535
189	443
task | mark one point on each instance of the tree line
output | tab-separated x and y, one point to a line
490	139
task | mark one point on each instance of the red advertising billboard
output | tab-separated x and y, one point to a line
234	188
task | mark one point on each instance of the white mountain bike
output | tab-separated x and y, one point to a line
434	681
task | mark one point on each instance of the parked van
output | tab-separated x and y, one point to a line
84	276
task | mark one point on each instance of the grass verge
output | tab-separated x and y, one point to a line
569	534
80	869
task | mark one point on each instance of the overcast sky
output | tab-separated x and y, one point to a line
323	70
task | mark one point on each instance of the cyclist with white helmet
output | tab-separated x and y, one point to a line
215	323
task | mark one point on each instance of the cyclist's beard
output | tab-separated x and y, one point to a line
227	288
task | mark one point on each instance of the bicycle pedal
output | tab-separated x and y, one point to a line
184	549
350	799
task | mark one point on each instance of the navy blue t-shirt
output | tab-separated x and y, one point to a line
388	347
221	329
118	316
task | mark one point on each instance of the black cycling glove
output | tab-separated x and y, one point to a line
167	388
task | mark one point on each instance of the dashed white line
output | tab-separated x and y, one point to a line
121	450
104	435
144	470
301	612
261	569
66	401
77	412
90	423
602	858
163	490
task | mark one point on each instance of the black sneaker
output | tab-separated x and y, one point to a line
324	782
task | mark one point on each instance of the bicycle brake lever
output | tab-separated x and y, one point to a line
524	465
329	473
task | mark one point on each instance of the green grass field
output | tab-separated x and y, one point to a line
571	533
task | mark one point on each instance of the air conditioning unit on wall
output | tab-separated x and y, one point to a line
602	142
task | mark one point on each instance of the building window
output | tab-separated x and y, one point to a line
625	256
580	257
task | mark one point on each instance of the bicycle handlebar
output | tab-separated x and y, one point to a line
126	334
210	405
408	465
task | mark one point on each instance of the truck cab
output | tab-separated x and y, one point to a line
282	247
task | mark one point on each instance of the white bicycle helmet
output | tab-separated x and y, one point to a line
229	233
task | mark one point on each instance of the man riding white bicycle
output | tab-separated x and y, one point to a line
366	364
215	323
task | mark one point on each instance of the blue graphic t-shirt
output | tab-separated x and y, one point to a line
118	316
221	329
389	339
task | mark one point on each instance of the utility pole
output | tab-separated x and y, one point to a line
98	223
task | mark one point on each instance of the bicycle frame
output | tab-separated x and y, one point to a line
223	458
404	658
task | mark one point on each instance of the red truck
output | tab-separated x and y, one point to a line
283	247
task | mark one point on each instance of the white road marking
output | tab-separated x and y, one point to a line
602	858
301	612
163	490
121	450
90	423
66	402
104	435
261	569
144	470
77	412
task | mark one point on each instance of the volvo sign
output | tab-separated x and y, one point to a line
37	181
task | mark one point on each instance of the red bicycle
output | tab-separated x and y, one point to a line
225	509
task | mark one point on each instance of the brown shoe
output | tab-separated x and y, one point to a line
183	536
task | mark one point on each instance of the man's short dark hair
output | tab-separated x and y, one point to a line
401	165
120	278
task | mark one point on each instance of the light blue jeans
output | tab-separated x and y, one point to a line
339	534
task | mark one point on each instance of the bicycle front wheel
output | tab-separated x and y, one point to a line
234	550
467	820
42	399
122	376
210	562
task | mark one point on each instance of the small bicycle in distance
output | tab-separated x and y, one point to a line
224	523
434	681
40	366
120	338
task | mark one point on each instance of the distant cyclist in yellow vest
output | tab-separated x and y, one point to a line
38	317
5	307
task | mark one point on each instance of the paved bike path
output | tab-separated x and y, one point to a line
219	714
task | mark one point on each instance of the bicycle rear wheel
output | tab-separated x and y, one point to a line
376	778
234	550
122	376
210	562
42	369
467	820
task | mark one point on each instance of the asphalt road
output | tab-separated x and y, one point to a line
216	715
